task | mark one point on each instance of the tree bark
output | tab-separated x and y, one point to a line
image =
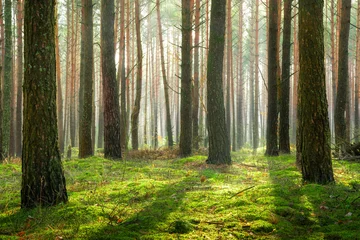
85	138
272	123
343	76
219	146
256	82
136	108
186	99
240	121
112	147
357	79
18	135
284	138
43	181
313	132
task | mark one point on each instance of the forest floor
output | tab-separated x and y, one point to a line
187	199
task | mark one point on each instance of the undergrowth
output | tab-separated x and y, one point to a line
155	198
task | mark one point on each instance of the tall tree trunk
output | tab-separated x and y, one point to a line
228	68
186	121
7	85
272	123
85	138
73	74
240	121
219	146
136	108
43	181
343	76
18	135
121	76
333	58
256	82
284	138
196	87
313	133
357	79
165	82
296	77
110	88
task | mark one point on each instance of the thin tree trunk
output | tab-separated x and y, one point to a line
357	79
165	82
240	121
122	77
136	108
284	138
256	82
18	135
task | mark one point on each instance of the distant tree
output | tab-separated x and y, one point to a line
357	79
271	133
219	145
136	107
112	148
85	138
313	132
284	136
43	181
343	77
186	99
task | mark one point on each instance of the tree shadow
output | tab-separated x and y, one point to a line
149	219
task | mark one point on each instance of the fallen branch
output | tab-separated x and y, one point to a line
242	191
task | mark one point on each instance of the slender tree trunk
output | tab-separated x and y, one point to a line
313	133
43	181
272	123
186	121
343	76
7	85
256	81
165	82
284	138
18	135
240	121
296	77
110	87
136	108
122	77
357	79
85	138
196	87
228	68
73	75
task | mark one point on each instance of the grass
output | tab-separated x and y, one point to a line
187	199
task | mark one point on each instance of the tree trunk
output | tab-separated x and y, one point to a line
296	77
7	85
357	79
284	138
122	77
112	147
136	108
256	82
18	135
228	67
85	138
43	181
185	113
313	133
240	121
196	87
219	146
343	76
272	124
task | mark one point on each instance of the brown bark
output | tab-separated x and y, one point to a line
43	181
256	81
112	148
136	108
357	79
186	99
240	121
228	67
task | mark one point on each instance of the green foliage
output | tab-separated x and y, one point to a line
187	199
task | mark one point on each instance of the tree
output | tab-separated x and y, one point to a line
43	181
112	148
357	78
343	76
240	83
85	138
313	132
271	133
185	112
284	136
18	127
136	107
219	146
7	85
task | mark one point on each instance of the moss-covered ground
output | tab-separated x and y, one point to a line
187	199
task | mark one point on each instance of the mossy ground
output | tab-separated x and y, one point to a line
187	199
